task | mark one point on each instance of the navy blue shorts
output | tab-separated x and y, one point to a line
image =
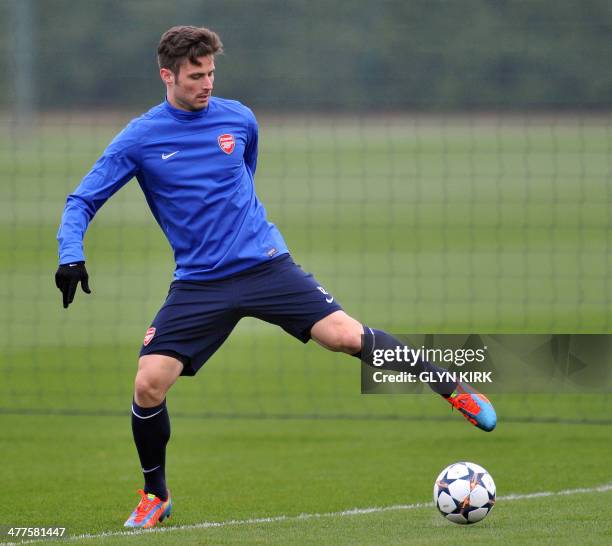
198	316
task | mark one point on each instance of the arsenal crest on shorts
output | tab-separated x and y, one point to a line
148	336
226	143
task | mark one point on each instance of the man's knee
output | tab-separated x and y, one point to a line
348	340
339	332
148	391
156	374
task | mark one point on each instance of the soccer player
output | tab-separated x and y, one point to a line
195	157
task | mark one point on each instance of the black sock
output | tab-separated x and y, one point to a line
377	339
151	429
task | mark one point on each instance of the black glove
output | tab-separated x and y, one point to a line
67	279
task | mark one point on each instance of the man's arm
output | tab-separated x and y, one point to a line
113	170
250	152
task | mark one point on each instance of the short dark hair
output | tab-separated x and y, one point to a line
186	42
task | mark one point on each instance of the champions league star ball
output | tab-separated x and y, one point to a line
464	493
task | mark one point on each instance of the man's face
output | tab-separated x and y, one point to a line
192	89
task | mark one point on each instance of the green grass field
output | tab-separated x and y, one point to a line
415	225
80	472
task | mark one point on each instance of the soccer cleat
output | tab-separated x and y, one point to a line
474	406
149	511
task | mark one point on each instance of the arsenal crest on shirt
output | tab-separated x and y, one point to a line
226	143
149	336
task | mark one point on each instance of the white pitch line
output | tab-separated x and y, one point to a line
302	517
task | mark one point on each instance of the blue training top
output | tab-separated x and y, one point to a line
196	171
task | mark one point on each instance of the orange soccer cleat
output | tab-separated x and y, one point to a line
474	406
149	511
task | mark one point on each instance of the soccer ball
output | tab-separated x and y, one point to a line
464	493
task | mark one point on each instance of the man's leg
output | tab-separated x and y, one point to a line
340	332
151	429
284	294
150	420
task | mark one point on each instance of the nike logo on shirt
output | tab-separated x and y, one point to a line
166	156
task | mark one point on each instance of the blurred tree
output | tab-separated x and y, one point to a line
342	55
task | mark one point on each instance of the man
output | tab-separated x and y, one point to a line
195	157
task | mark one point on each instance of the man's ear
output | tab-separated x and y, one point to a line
166	75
